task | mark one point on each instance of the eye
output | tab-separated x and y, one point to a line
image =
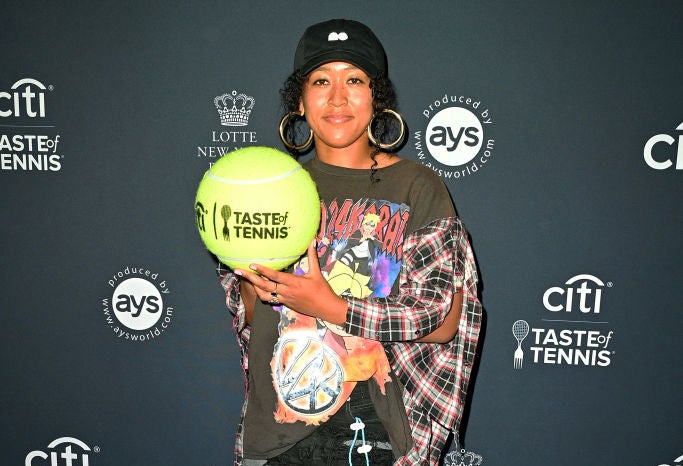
317	79
356	80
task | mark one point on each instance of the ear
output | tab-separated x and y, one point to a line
301	107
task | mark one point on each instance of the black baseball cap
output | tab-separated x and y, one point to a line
340	40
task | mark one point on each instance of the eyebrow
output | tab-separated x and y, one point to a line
324	67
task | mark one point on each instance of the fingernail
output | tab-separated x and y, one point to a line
252	266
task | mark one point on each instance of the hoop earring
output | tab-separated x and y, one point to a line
392	143
283	123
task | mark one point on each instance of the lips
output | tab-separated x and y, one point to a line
337	118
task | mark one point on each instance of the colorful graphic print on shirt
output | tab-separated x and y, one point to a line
316	364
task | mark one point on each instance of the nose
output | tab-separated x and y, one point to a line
338	95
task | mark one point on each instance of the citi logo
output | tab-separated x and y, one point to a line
26	98
664	155
582	292
677	462
72	451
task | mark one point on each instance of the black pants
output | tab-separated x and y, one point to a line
329	444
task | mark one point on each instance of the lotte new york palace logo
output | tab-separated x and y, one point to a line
456	140
234	109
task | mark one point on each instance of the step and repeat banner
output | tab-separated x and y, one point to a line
557	127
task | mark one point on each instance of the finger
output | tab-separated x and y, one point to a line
267	272
265	289
260	283
313	264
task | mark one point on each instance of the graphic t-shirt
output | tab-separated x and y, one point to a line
302	369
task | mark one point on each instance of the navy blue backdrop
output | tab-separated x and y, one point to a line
573	201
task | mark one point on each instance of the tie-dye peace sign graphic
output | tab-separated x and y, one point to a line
308	376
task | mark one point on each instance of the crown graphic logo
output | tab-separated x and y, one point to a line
463	458
234	109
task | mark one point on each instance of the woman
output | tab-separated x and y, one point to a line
362	353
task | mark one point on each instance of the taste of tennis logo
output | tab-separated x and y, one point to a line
247	225
138	308
28	140
576	335
233	111
456	140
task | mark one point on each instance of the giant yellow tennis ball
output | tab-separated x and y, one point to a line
257	205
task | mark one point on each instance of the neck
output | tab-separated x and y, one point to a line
358	156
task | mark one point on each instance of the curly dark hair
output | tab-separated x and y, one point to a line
383	98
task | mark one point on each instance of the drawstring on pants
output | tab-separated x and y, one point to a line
364	448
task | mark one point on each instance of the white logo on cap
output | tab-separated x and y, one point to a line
337	36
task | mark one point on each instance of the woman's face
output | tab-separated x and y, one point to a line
337	103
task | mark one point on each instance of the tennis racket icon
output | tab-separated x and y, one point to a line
520	329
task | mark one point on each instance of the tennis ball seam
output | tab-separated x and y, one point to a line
250	182
260	259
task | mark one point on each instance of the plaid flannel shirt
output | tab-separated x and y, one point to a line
437	263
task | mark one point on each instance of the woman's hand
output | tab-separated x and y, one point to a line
308	294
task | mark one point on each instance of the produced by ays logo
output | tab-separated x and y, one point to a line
575	335
28	140
138	309
234	110
456	140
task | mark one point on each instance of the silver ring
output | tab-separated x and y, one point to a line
274	299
